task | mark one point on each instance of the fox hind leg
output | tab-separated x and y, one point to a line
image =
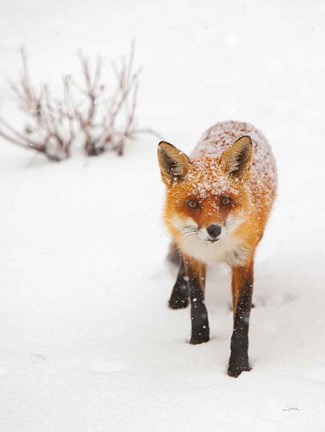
180	294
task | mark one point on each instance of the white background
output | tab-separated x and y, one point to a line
87	342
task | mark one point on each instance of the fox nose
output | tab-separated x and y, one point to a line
214	230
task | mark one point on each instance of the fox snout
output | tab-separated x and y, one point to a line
214	231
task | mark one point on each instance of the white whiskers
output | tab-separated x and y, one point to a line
195	242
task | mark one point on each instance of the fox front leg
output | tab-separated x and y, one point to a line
242	291
195	273
180	293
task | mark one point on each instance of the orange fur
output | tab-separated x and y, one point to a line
252	195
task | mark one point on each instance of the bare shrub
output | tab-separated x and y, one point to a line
46	130
103	120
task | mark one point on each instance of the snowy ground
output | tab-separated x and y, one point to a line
87	343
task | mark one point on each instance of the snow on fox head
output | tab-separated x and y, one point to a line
208	203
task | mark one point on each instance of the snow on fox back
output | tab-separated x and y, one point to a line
263	179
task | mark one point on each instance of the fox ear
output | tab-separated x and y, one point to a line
173	163
236	160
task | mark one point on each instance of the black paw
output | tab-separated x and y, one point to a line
235	370
178	303
199	337
197	341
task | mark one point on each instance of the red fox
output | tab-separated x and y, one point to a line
217	204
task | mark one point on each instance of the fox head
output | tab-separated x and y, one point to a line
207	201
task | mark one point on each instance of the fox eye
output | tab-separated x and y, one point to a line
225	201
192	204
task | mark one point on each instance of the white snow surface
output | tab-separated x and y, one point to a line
87	343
